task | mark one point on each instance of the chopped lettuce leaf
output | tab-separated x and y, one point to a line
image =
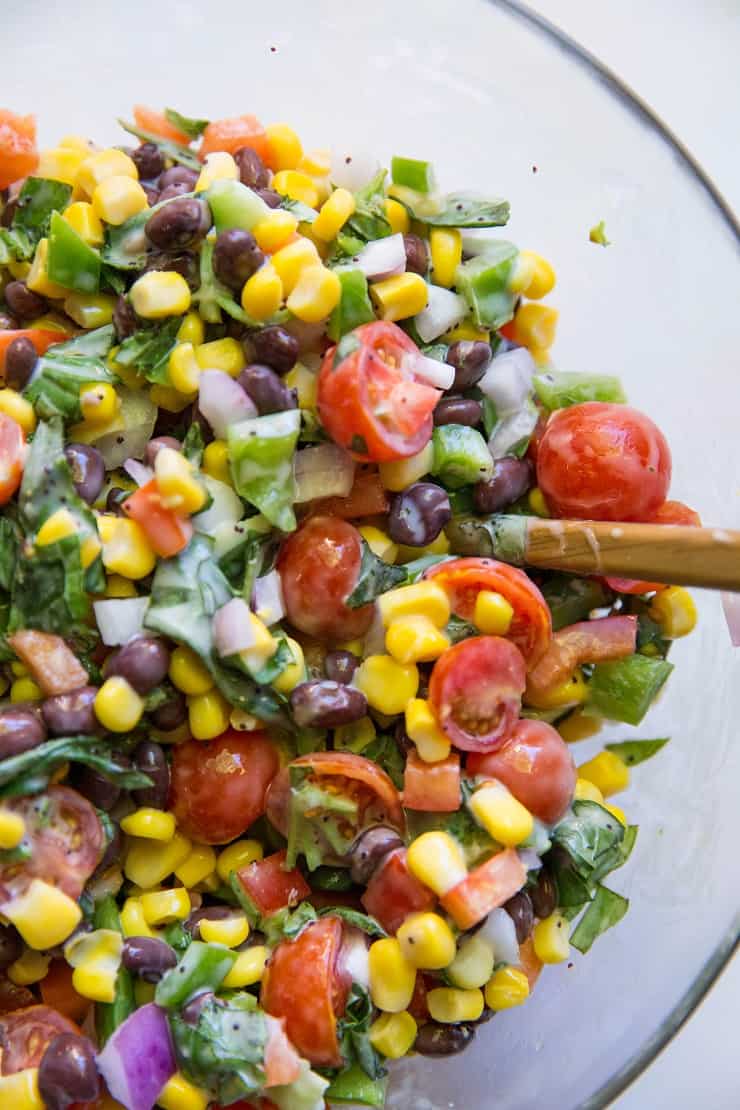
375	578
224	1050
37	200
193	128
148	350
170	149
633	752
607	909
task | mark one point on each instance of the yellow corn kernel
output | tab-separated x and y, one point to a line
393	1035
208	715
392	977
117	705
179	1093
38	279
291	260
507	987
133	922
25	689
540	356
216	461
399	297
262	294
618	812
21	1090
294	672
164	397
191	330
316	163
118	198
551	940
501	814
199	865
178	488
521	273
183	369
335	211
472	967
436	859
149	862
534	325
542	280
99	402
126	550
607	772
445	246
60	164
355	736
76	142
537	503
248	968
305	384
96	958
162	907
379	543
19	409
43	915
577	726
20	670
466	330
160	293
275	230
221	354
386	684
91	310
297	186
12	828
315	295
397	216
149	823
285	147
30	967
427	941
187	672
420	599
450	1004
396	476
101	165
230	931
415	639
20	271
585	791
218	166
674	610
421	726
573	691
492	614
236	856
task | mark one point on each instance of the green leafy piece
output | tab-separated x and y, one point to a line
192	445
89	344
625	689
71	261
177	936
10	539
331	878
54	388
358	920
461	456
464	210
321	841
201	967
597	234
286	924
148	350
558	389
384	751
261	452
355	1086
176	151
126	247
193	128
594	845
354	306
457	629
369	220
31	771
633	752
109	1015
353	1033
110	280
302	212
376	577
413	174
212	296
606	909
37	200
649	632
484	282
47	481
224	1050
572	599
415	569
15	245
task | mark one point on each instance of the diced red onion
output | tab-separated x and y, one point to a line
140	473
529	858
267	598
500	931
731	606
352	169
322	471
431	371
512	431
353	956
119	619
444	310
508	380
232	627
223	402
139	1058
382	258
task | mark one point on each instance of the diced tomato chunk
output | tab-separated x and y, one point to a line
18	154
167	532
393	892
270	886
434	787
42	339
597	641
148	119
233	134
487	887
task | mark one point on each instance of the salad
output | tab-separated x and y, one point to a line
288	788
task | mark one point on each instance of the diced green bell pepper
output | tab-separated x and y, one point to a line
625	689
354	306
353	1085
235	205
202	967
71	261
484	282
261	453
461	456
558	389
413	174
109	1015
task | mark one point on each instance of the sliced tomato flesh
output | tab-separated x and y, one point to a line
433	787
485	889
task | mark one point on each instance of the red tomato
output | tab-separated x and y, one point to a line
12	457
58	992
675	512
270	886
167	532
233	134
282	1062
18	154
53	665
319	566
530	962
597	641
42	339
599	461
393	892
370	402
304	985
434	787
476	692
633	586
485	888
148	119
463	579
24	1035
536	765
65	839
366	498
217	787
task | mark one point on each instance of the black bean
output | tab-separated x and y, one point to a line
340	666
458	410
148	957
67	1072
112	852
20	730
143	662
544	894
170	192
125	320
470	357
326	704
152	192
419	514
150	759
276	347
403	741
236	257
206	913
149	160
154	446
368	851
179	175
10	946
171	714
88	470
97	789
266	389
23	302
190	1012
511	479
417	256
519	909
20	359
7	322
270	197
114	500
9	210
180	224
252	170
72	713
434	1039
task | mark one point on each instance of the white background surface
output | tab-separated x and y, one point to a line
681	56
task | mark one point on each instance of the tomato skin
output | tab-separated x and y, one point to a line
434	787
218	787
597	641
167	532
304	985
536	765
42	339
463	579
370	403
486	888
599	461
24	1035
675	512
234	133
18	154
393	892
319	566
12	457
148	119
475	692
270	886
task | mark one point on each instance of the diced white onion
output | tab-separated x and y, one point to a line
430	370
233	630
267	598
500	931
141	474
225	508
382	258
512	431
119	619
352	169
444	310
508	380
354	956
223	402
322	471
529	858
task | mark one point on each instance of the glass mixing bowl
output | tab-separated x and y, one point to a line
499	104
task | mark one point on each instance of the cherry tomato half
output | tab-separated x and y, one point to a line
272	886
24	1035
463	579
393	892
475	692
369	401
12	457
217	787
18	154
599	461
536	765
234	133
675	512
319	566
